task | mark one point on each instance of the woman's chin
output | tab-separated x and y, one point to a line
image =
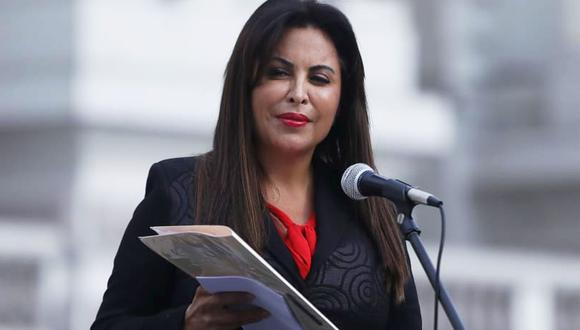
294	148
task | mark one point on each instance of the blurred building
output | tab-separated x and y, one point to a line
511	68
473	100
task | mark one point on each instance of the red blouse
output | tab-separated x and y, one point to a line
300	239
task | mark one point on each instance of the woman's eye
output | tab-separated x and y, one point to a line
320	79
277	72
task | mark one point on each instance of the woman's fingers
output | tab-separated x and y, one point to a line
225	310
230	298
234	308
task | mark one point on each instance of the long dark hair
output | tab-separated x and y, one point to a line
228	177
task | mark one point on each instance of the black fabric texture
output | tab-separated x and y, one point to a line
345	282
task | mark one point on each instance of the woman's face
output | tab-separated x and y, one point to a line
296	100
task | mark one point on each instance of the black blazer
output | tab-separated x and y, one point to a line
345	281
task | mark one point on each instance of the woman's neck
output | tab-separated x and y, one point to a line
288	184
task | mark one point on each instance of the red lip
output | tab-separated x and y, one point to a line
294	119
294	116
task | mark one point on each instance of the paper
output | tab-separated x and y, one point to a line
217	252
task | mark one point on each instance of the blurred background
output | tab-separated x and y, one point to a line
476	101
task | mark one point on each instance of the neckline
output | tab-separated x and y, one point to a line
287	221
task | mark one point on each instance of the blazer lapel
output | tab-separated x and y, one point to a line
280	257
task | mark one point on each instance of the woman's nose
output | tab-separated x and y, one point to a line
298	93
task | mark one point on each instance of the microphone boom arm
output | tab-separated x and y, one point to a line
411	233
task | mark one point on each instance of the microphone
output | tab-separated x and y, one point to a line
360	180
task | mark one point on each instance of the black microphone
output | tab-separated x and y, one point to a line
360	180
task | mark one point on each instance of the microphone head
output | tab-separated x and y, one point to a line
350	178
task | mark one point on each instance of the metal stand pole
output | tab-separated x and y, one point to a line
411	232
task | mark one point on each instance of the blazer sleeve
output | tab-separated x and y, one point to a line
138	289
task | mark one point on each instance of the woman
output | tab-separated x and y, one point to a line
292	118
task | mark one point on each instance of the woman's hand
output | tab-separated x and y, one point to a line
218	311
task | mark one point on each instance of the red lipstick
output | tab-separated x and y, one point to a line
294	119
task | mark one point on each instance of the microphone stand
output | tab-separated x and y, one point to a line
411	232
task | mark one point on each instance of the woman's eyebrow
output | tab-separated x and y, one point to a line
313	68
322	67
283	60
